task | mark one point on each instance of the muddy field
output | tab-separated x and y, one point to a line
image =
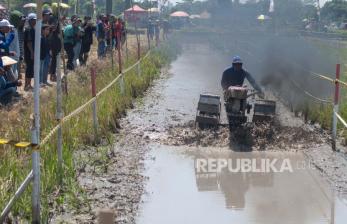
115	176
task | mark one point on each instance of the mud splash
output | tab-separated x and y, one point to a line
257	137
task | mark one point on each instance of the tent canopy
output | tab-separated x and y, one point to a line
135	8
153	10
179	14
30	5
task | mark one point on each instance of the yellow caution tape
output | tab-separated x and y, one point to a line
3	141
15	143
23	144
69	116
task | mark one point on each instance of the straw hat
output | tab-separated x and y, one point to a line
7	61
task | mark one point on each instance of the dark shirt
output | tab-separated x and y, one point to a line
88	34
5	42
29	36
55	41
45	47
101	31
231	77
5	84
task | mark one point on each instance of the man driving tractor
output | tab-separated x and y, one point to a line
235	76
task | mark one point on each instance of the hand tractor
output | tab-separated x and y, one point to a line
240	109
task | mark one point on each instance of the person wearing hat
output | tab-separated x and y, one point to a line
71	34
235	76
7	36
17	19
46	16
78	39
8	85
29	46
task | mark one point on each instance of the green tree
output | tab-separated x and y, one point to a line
288	11
336	10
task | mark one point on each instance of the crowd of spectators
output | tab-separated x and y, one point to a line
74	35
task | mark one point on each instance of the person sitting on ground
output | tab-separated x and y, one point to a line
8	64
235	76
8	89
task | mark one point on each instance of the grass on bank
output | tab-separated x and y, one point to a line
16	164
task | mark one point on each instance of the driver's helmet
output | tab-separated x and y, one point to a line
237	60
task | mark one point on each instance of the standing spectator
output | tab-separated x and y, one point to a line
118	32
14	46
157	32
46	16
124	31
70	33
18	20
101	36
87	39
108	33
45	56
29	46
55	43
112	32
150	30
78	40
166	29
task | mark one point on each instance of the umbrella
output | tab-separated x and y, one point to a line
30	5
179	14
263	17
62	5
135	8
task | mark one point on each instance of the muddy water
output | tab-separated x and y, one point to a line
174	99
180	193
176	193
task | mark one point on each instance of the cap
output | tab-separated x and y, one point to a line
32	16
5	23
7	61
237	60
47	12
76	19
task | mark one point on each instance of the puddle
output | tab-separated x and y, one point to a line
179	193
